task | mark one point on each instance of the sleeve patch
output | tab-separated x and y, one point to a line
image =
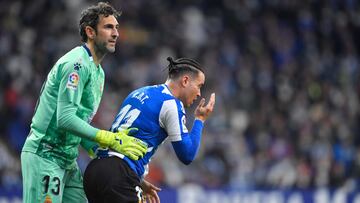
73	81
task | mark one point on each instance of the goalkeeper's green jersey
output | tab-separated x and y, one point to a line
68	101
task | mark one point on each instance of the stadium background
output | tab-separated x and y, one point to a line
286	75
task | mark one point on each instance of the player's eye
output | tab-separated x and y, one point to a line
109	26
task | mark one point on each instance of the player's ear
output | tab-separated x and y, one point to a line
90	32
185	80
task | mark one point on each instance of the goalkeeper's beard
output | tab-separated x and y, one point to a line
101	48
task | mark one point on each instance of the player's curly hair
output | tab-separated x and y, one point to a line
179	66
90	17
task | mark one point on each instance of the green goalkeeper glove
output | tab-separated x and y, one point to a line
121	142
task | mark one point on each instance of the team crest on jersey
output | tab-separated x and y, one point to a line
77	66
183	122
48	199
73	81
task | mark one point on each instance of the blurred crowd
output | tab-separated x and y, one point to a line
286	75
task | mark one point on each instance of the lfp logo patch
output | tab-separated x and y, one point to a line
73	81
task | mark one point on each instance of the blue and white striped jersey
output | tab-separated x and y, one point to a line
157	114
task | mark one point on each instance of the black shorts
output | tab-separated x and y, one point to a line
111	180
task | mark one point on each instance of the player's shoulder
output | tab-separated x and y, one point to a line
77	57
167	98
153	95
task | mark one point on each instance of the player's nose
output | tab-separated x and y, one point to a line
115	33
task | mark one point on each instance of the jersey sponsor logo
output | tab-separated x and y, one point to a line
73	81
77	66
47	146
183	122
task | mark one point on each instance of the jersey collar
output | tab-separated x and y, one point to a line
88	52
166	90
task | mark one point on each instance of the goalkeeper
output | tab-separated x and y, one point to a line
68	101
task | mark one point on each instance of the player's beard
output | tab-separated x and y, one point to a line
101	48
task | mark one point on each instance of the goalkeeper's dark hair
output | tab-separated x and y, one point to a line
90	17
183	65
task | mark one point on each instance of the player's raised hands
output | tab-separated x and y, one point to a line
203	111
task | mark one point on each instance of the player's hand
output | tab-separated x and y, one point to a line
121	142
203	111
150	192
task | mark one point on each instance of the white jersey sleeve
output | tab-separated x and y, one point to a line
172	120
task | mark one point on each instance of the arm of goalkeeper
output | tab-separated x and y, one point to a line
121	142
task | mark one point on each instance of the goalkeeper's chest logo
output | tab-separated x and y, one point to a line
48	199
77	66
73	81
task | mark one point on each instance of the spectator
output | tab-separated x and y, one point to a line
286	74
